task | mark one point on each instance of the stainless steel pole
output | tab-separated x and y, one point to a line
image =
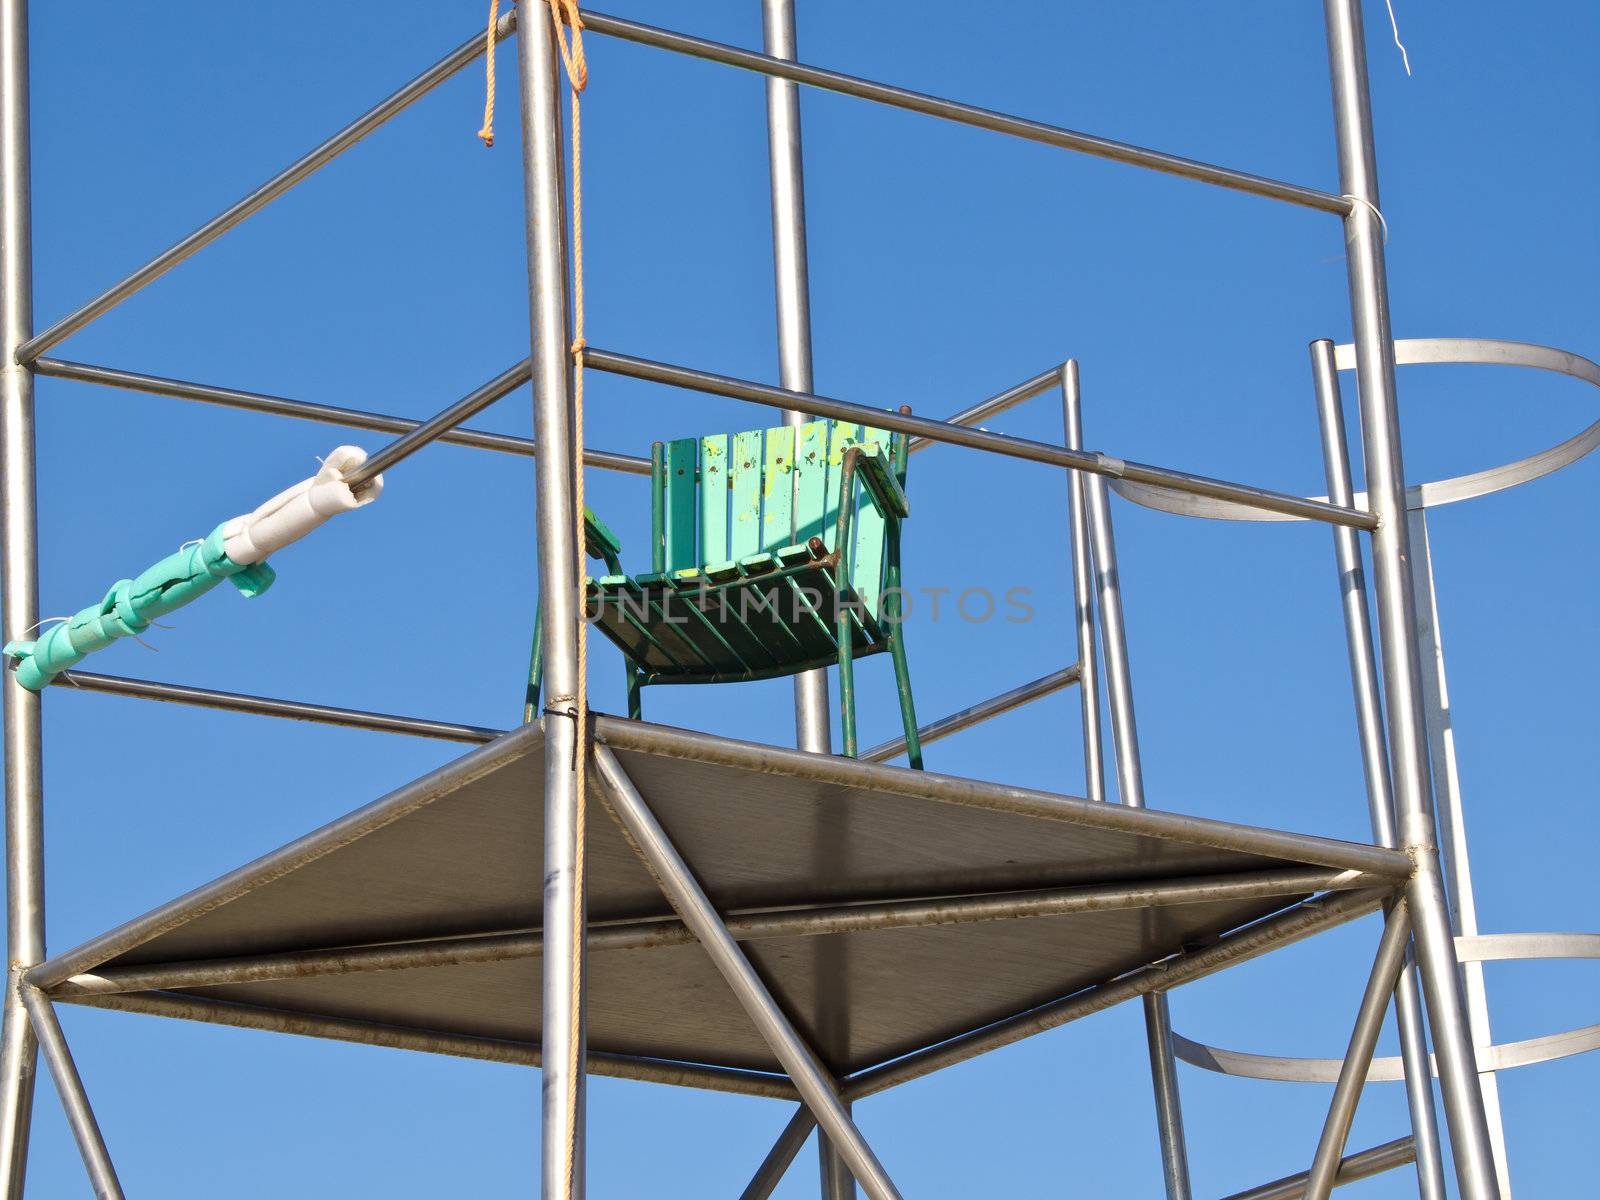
743	925
783	1153
1130	789
667	1072
1094	765
540	75
790	276
995	405
786	165
19	594
1284	928
1396	605
677	882
74	1100
264	706
837	1182
1386	966
1363	1164
328	414
1051	453
977	714
1375	759
438	425
1453	853
962	114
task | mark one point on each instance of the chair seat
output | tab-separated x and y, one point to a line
764	616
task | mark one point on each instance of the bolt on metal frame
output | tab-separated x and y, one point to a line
1403	756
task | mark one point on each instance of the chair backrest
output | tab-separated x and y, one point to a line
726	499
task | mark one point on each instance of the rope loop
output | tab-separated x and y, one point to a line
1373	209
565	13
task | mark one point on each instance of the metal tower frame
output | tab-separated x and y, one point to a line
1429	956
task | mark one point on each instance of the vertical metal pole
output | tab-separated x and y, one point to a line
837	1182
790	276
1396	606
1375	757
74	1100
540	76
1094	769
1130	787
1386	967
786	163
19	595
1452	824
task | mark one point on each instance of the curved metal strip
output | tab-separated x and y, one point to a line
1507	475
1543	1049
1488	947
1492	352
1184	504
1503	947
1489	352
1276	1067
1416	352
1383	1070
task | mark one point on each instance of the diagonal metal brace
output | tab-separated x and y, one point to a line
684	892
69	1085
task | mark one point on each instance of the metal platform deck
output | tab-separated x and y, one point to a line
888	910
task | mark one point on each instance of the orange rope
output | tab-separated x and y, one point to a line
487	132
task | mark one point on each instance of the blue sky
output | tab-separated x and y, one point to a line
946	264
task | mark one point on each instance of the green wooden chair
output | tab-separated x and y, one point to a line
774	552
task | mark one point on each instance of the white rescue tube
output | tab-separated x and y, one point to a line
293	513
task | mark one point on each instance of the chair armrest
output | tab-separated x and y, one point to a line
881	481
600	542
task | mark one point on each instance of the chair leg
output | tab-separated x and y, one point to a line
902	683
530	705
893	618
847	684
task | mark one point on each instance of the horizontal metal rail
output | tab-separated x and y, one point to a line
1008	399
750	924
326	414
1289	926
448	731
963	114
694	746
264	195
443	427
262	706
399	1037
995	706
976	439
1352	1169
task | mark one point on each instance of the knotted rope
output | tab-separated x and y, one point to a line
487	132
